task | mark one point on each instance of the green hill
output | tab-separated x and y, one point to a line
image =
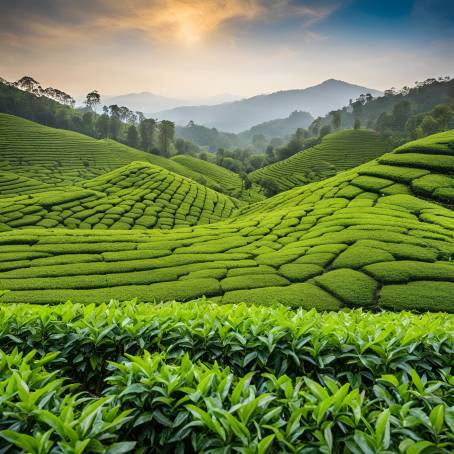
217	175
139	195
377	236
337	152
61	157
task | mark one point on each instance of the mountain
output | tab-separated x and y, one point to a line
145	102
281	127
240	115
149	103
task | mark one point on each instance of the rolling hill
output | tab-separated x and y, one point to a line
241	115
137	196
221	176
59	157
376	236
337	152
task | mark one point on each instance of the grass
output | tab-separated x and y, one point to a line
337	152
142	231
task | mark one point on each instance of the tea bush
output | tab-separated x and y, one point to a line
201	377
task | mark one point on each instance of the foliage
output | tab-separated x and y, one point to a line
203	377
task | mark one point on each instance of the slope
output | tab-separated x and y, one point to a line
137	196
337	152
224	178
241	115
377	236
61	157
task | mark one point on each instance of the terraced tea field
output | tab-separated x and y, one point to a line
224	178
377	236
137	196
59	157
337	152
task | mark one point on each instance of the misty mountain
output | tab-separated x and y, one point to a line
279	128
149	103
145	102
243	114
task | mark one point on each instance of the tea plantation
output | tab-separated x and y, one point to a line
377	236
337	152
137	196
225	178
263	361
59	157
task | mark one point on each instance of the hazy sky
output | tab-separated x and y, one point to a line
191	48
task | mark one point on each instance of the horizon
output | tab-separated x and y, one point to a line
167	46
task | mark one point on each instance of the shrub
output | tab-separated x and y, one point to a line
351	287
252	281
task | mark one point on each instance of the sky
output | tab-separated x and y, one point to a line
201	48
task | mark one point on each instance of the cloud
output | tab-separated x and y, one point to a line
181	22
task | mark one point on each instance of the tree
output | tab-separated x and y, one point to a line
443	113
259	142
92	100
428	125
270	156
147	128
257	161
88	120
401	113
114	127
166	136
326	129
29	84
220	156
246	183
357	107
132	138
270	187
357	123
314	128
336	119
102	125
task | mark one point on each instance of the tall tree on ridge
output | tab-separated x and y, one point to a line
92	100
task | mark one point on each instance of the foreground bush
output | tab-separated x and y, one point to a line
198	377
353	345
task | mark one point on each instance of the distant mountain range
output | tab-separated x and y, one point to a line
150	103
241	115
280	127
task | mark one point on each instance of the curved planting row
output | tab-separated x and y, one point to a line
137	196
337	152
377	236
60	157
12	184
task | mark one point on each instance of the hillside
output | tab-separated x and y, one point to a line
279	128
220	176
337	152
137	196
60	157
377	236
241	115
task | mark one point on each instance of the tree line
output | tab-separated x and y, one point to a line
55	108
